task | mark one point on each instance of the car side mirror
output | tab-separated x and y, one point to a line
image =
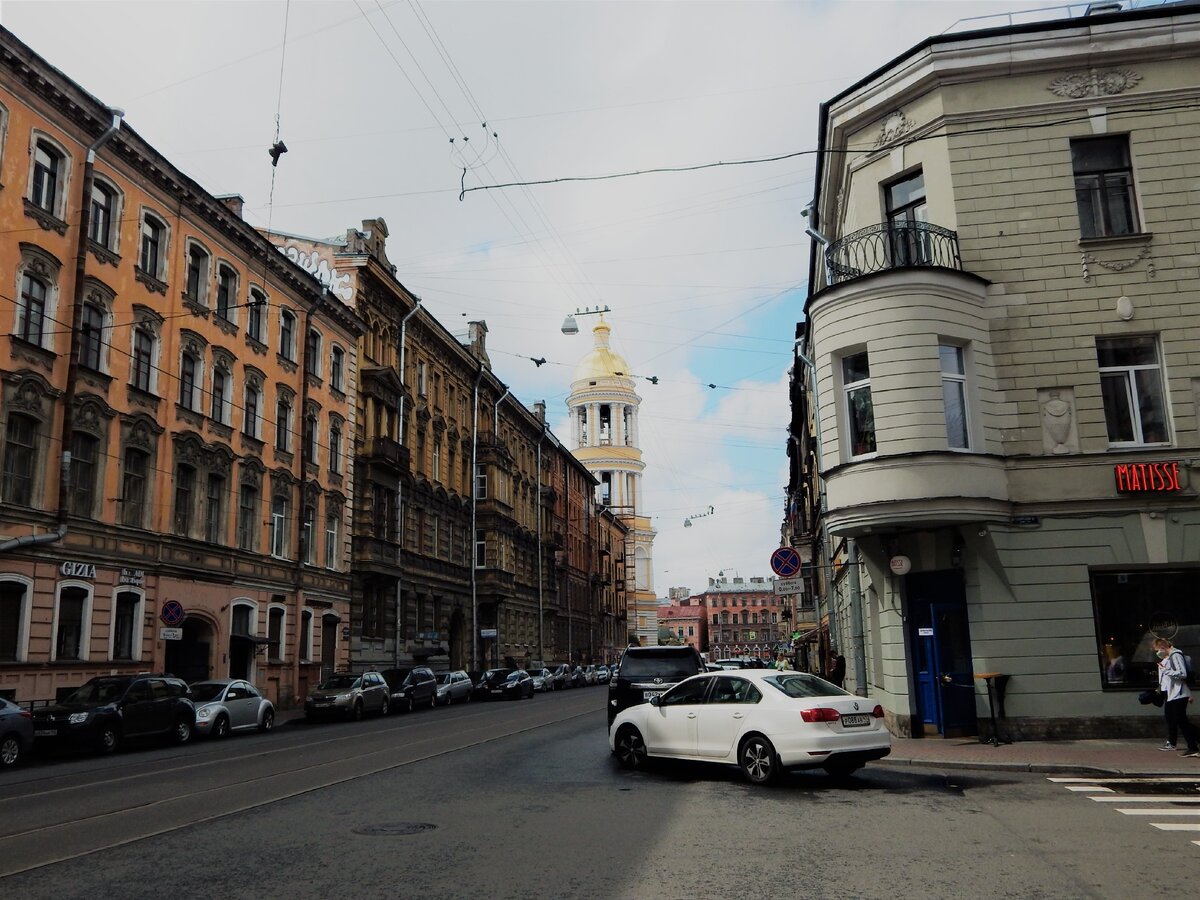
656	700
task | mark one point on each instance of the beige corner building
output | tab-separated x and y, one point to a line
998	470
604	431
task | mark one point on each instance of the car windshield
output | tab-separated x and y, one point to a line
338	682
398	674
206	691
676	665
496	674
100	690
445	678
799	685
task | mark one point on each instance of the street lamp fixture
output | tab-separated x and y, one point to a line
687	523
570	326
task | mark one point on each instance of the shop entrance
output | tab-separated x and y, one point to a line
190	658
940	639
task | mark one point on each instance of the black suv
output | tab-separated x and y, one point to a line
411	687
107	710
646	671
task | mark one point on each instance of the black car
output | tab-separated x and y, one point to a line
412	687
108	710
506	684
646	671
16	733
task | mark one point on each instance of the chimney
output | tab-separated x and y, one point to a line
477	332
539	410
234	202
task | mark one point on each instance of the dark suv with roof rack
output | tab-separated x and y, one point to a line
106	711
647	671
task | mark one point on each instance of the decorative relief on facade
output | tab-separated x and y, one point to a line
46	220
151	283
1086	260
103	254
1124	308
1059	435
1094	83
311	262
893	127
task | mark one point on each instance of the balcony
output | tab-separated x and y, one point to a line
891	245
385	450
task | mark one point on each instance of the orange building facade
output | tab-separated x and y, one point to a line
175	406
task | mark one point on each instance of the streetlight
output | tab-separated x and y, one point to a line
570	326
687	523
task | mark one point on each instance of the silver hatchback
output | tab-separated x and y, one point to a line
225	705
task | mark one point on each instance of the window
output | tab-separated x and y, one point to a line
421	385
480	483
91	336
283	424
437	460
275	633
306	617
1131	383
133	487
13	596
220	394
287	335
185	482
1104	186
310	438
248	518
337	363
480	549
143	360
197	274
69	636
20	459
256	314
126	634
1132	609
31	314
226	293
189	380
47	176
253	401
905	209
84	451
104	204
860	413
154	240
308	549
954	395
214	510
385	513
279	517
312	352
335	448
331	540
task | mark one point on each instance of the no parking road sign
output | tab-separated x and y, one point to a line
172	613
785	562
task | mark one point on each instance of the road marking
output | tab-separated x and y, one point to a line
1177	826
1166	779
1088	788
1160	798
1160	812
1154	806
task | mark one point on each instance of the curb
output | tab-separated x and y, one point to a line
1034	768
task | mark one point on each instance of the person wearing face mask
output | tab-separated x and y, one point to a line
1172	675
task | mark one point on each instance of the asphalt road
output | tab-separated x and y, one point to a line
522	800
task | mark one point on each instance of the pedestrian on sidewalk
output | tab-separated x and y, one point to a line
1172	681
837	669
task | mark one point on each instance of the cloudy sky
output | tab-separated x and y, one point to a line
382	105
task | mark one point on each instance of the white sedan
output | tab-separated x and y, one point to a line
760	720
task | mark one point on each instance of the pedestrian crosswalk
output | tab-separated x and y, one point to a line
1167	803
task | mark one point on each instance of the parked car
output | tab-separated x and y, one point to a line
543	680
562	676
16	733
110	709
590	675
762	721
646	671
578	679
348	694
506	684
226	705
602	674
453	686
411	687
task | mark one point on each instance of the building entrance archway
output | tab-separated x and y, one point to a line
190	658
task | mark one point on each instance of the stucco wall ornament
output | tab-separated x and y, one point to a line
1094	83
312	263
1087	259
894	126
1057	415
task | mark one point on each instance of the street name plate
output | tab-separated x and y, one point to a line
170	634
789	585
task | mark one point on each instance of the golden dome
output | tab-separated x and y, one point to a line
602	362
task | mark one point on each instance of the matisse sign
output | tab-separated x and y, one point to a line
1147	478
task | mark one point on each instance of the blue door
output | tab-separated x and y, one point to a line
940	639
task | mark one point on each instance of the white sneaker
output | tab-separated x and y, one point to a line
1167	747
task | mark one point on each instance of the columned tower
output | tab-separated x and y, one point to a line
604	430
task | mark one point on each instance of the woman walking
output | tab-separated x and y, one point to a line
1172	681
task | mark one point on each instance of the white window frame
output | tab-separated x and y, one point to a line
847	388
118	206
306	650
437	459
480	557
283	644
287	350
1132	395
332	538
253	607
480	486
62	178
279	532
235	294
257	313
139	630
196	401
959	378
337	373
85	623
155	357
24	618
164	248
421	382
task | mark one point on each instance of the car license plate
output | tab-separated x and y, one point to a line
646	695
855	721
497	690
46	732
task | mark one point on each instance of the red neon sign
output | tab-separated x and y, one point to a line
1158	478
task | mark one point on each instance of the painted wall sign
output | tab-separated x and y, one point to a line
135	577
77	570
311	262
1156	478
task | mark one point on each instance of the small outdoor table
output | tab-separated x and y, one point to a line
995	682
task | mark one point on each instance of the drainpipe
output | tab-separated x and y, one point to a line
34	540
541	604
474	504
857	639
306	366
400	485
496	438
68	401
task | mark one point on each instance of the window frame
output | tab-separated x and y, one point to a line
277	644
143	373
92	339
280	513
29	453
85	621
959	379
125	485
248	526
287	335
848	389
215	507
1102	196
85	494
58	172
25	330
108	212
24	615
337	365
137	631
256	314
1132	393
153	234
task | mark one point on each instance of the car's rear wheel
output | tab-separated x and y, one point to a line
356	711
108	739
630	748
841	768
10	750
181	732
221	727
387	706
268	721
757	760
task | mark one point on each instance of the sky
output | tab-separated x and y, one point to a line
383	107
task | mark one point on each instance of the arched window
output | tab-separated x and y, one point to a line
337	362
287	335
226	293
256	315
312	352
16	593
276	618
72	621
31	316
252	411
199	262
306	619
190	377
91	338
126	633
335	447
48	172
103	215
154	246
283	423
143	360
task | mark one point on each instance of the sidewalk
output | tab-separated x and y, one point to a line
1098	757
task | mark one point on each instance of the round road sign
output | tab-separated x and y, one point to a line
785	562
172	613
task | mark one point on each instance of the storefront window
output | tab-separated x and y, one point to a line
1132	609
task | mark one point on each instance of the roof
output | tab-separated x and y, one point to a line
602	362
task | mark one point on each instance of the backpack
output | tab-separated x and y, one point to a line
1190	677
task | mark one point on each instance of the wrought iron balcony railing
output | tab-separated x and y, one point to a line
891	245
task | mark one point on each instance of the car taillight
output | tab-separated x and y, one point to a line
877	712
26	714
820	714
